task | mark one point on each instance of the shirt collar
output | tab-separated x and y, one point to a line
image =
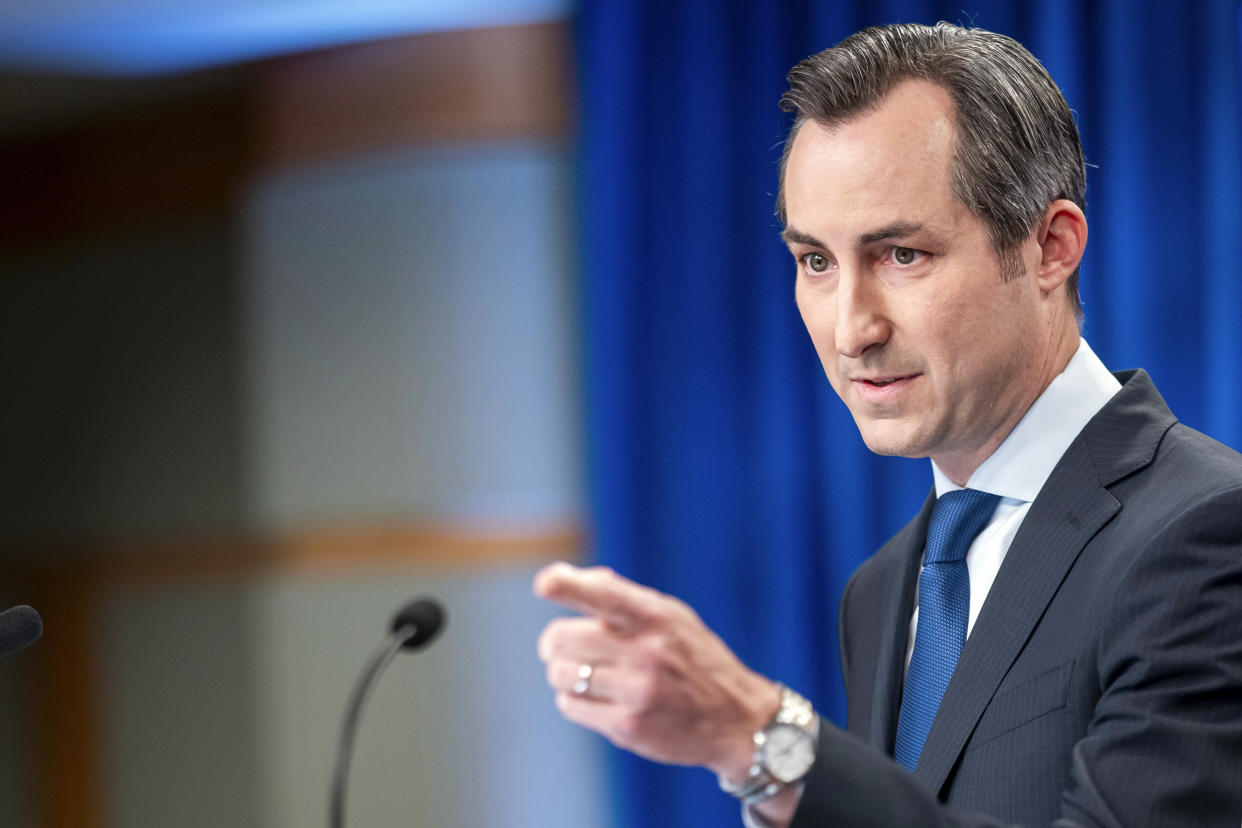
1024	461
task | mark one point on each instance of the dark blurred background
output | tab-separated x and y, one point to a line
309	307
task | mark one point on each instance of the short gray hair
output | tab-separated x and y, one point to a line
1017	148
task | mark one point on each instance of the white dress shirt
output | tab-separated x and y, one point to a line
1020	466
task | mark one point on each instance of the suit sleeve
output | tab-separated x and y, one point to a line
1164	744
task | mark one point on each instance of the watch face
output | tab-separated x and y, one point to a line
787	752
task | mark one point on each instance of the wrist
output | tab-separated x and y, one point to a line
735	764
776	812
783	751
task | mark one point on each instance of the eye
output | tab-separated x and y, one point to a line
905	255
816	262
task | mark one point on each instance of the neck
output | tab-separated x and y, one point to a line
959	466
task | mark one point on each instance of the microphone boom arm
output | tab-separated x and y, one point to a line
414	626
357	700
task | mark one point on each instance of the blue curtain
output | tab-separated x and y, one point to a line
722	468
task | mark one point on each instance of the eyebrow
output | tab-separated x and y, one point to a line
896	230
792	235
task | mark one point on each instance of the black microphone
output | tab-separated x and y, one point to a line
20	627
419	621
414	626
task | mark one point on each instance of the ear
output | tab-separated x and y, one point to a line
1062	237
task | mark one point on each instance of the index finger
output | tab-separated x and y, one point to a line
599	592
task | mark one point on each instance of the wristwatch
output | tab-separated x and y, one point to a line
784	751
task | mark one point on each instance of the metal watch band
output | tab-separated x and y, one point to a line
760	785
755	779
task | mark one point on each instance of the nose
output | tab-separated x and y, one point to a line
861	321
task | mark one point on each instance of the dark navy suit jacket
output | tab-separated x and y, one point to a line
1102	681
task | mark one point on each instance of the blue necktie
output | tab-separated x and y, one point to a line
944	605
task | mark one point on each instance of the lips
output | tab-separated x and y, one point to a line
881	382
884	387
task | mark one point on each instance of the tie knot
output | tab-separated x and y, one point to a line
956	519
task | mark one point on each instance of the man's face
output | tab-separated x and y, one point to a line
933	353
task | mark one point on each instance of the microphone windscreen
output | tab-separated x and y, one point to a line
20	627
425	615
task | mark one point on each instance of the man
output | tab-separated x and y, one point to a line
1057	636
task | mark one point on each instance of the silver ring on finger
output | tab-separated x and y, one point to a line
583	685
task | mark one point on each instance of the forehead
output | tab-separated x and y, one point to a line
890	163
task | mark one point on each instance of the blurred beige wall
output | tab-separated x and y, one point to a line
283	355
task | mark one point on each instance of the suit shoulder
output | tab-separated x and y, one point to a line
1195	464
1192	483
1218	460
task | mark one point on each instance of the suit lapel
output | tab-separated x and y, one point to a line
1061	521
907	547
1072	506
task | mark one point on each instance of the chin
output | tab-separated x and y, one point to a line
894	450
890	441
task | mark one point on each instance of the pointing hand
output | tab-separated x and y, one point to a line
641	668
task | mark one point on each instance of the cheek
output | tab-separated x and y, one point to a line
974	347
951	327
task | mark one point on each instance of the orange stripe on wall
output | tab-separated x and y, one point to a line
489	83
335	549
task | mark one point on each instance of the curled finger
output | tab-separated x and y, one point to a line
590	682
580	639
